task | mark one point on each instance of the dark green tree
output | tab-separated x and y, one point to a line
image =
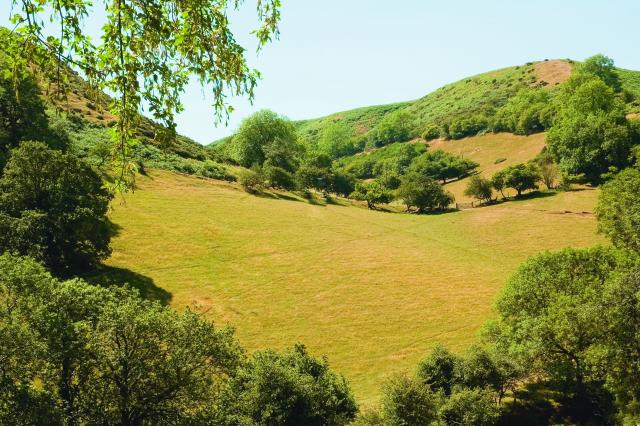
590	133
521	177
439	370
265	135
374	193
549	309
423	193
53	207
475	407
618	210
408	401
292	388
479	188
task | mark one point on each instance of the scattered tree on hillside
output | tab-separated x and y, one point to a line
431	132
602	67
373	193
479	188
521	177
590	132
423	193
265	135
251	180
53	207
548	170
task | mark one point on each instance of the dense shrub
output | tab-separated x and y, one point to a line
475	407
521	177
407	401
431	132
439	370
292	388
374	193
442	165
395	127
423	193
479	188
53	207
212	170
528	112
251	180
466	126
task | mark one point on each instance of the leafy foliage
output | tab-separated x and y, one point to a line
521	177
373	193
479	188
195	39
53	207
618	210
423	193
289	388
407	401
590	132
442	165
88	354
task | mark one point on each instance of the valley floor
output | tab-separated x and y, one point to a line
373	291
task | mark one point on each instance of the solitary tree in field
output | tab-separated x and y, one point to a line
373	193
479	188
146	54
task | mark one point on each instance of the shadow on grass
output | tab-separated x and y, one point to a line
107	276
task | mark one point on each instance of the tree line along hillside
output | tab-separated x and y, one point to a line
586	109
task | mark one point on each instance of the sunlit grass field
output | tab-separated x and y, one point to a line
373	291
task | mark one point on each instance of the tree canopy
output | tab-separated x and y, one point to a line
140	61
53	208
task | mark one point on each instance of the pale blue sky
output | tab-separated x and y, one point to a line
334	55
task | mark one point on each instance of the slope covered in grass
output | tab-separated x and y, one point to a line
373	291
492	152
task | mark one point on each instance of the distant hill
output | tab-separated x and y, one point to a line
480	94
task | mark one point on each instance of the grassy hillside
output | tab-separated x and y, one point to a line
373	291
492	152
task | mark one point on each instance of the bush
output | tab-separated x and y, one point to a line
277	177
431	132
473	407
290	388
442	165
479	188
408	402
521	177
373	193
212	170
53	207
618	210
423	193
251	180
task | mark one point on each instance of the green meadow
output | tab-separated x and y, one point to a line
373	291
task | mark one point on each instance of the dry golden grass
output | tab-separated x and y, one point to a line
373	291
